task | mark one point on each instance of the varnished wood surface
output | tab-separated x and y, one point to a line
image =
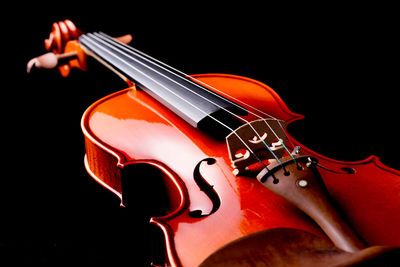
337	72
293	248
133	127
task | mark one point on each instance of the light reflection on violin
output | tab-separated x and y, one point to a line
176	124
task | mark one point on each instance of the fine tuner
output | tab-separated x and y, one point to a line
216	152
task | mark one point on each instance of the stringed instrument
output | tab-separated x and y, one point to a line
234	187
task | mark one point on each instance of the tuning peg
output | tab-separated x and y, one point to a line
48	60
126	39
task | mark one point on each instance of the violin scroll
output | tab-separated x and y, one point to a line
62	32
63	46
64	49
215	206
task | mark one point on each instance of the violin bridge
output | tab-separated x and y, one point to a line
247	145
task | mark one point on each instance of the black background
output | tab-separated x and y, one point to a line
335	64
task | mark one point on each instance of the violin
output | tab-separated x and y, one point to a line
231	184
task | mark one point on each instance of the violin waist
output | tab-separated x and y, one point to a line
129	128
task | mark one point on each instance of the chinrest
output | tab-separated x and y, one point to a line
292	247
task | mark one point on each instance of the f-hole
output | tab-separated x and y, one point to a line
206	188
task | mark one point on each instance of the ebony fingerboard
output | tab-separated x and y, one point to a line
189	100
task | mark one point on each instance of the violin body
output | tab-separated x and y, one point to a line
225	192
205	205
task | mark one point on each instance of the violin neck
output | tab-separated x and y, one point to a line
189	100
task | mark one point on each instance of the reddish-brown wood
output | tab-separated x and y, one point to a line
294	248
63	44
129	127
59	42
62	32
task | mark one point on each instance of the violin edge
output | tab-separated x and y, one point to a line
120	161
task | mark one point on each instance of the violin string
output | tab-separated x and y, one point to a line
205	98
166	67
215	119
191	79
174	71
197	83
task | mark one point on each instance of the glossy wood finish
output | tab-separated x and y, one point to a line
59	42
130	127
295	248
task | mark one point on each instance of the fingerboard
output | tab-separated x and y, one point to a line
191	101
